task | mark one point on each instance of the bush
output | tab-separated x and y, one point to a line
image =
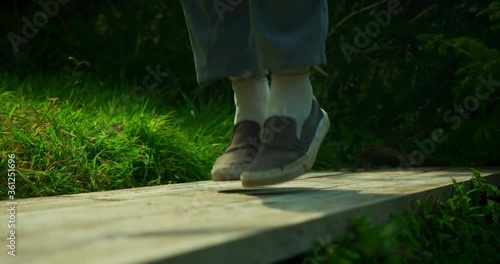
397	93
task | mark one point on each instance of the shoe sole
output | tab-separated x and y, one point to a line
231	173
291	170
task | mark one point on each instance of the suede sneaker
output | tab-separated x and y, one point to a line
282	156
240	152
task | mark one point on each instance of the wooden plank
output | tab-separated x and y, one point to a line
217	221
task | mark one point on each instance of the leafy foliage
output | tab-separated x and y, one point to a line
397	91
475	91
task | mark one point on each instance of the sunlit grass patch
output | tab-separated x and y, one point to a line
83	143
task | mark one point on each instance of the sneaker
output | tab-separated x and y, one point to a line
282	156
239	154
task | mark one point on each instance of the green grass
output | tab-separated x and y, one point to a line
461	228
78	137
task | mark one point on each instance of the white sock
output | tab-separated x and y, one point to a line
291	95
250	98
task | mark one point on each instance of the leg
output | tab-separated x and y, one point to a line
289	34
222	42
291	37
250	97
290	40
224	46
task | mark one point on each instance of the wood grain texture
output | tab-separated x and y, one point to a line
215	222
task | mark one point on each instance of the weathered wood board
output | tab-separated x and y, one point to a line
214	222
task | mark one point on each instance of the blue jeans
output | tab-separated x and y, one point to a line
249	37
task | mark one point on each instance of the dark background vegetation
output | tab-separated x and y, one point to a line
392	94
